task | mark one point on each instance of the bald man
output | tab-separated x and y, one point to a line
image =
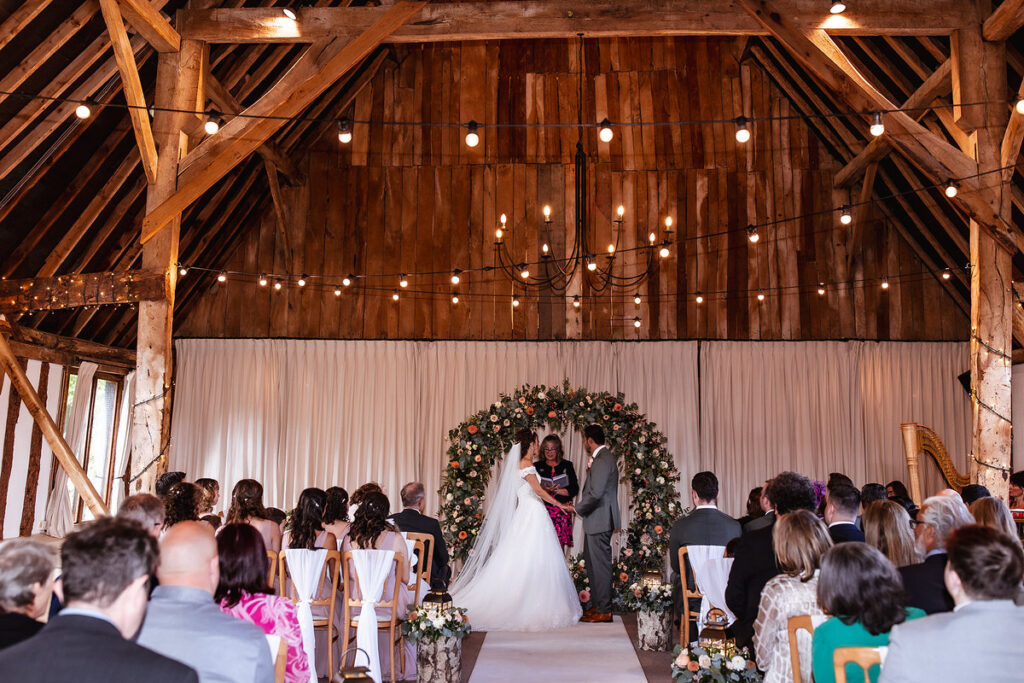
184	623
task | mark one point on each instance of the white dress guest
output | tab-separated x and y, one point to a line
784	597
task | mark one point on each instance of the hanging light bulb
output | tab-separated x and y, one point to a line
946	274
403	281
337	292
760	296
742	130
636	322
83	110
183	271
455	297
547	213
664	252
591	264
752	234
576	301
394	295
515	302
524	272
302	281
877	127
885	283
821	289
636	299
699	299
472	136
212	125
606	130
838	7
344	131
288	13
263	280
1020	106
347	280
951	189
455	276
277	286
222	277
845	217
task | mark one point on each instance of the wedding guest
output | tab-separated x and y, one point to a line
278	517
706	525
166	481
184	623
869	493
371	530
863	592
753	506
553	464
335	519
755	563
359	494
993	512
841	508
106	565
413	518
243	593
800	540
1017	490
887	527
181	504
938	517
211	496
26	584
980	640
973	492
147	510
247	508
767	517
896	489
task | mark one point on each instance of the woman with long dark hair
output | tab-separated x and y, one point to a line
307	526
182	503
335	517
558	477
247	508
244	594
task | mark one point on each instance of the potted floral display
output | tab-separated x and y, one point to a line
438	633
651	599
714	664
578	571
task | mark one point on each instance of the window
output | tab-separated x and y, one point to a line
103	434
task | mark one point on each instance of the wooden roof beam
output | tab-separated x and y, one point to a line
84	289
26	341
1005	21
939	84
145	17
1012	138
566	18
133	95
940	160
19	19
313	73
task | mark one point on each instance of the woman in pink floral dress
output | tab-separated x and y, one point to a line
244	594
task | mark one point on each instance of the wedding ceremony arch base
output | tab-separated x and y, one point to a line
481	441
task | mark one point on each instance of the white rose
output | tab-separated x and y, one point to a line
661	480
704	661
636	471
541	395
448	497
738	663
438	623
682	660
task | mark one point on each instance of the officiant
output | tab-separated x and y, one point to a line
558	477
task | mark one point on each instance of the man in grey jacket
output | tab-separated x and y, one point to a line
599	508
980	639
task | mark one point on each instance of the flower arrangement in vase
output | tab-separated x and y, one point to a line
714	664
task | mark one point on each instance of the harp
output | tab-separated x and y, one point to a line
918	439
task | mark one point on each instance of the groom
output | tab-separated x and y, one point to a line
599	508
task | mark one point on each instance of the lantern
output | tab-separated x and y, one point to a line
652	579
438	600
354	673
713	634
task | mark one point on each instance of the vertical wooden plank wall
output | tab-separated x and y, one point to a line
27	460
417	199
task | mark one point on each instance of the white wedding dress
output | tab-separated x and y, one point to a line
516	578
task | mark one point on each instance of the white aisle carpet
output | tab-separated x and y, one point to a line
584	652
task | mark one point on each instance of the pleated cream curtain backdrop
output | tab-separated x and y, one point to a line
297	413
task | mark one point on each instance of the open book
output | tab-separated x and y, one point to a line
559	482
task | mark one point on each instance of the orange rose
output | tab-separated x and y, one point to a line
462	535
693	666
658	529
454	463
477	459
617	406
552	414
478	515
623	577
472	429
529	410
412	617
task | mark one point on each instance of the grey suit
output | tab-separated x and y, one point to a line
978	642
705	526
599	508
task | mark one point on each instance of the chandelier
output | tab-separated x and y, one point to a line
585	260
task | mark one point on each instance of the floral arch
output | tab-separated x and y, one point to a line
482	440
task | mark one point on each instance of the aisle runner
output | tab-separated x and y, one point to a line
584	652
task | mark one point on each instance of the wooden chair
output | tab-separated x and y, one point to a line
797	623
426	561
272	568
864	657
321	597
280	661
684	627
391	624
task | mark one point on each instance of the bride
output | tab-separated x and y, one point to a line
516	578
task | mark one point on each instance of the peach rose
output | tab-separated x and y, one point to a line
412	616
454	463
693	666
477	459
552	414
472	429
617	406
462	535
529	410
623	577
658	529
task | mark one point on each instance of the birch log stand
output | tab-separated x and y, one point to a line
654	630
439	661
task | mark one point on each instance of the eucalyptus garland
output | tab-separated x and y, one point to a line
645	464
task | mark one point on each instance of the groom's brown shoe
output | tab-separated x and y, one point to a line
596	618
588	612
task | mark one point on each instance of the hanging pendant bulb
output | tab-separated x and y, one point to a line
455	276
83	110
515	302
576	301
347	280
302	281
472	136
183	271
752	234
636	299
403	281
821	289
951	189
636	322
877	127
845	217
455	298
760	296
946	274
524	272
742	130
213	123
337	292
222	277
277	286
699	299
394	295
344	131
664	252
263	280
885	283
838	7
606	133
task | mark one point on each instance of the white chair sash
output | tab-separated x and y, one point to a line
304	567
411	546
711	577
372	568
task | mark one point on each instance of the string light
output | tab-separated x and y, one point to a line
636	299
742	130
946	274
591	264
403	281
885	283
664	252
752	234
877	127
951	189
821	289
606	131
302	281
183	271
347	280
289	13
611	248
524	272
636	322
344	131
263	280
621	211
838	7
394	295
455	276
652	238
699	299
845	217
222	277
455	298
760	296
212	124
544	250
83	111
576	301
337	292
515	302
547	213
472	137
277	286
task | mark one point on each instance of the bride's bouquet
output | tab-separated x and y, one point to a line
713	664
641	597
429	624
